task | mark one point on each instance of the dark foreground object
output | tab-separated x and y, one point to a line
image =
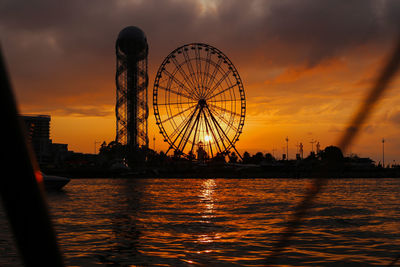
21	189
52	182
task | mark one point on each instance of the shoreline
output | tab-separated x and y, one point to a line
210	174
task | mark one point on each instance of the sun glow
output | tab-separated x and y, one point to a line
207	138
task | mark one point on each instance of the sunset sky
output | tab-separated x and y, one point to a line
306	65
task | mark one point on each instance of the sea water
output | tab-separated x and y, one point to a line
174	222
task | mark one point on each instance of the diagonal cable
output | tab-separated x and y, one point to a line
360	117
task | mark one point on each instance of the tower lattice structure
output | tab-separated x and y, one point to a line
131	82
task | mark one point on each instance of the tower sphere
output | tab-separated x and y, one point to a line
132	41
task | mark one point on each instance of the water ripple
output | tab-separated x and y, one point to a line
220	222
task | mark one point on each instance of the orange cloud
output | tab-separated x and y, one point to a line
304	71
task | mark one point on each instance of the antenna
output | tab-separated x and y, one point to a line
287	148
318	147
383	152
301	150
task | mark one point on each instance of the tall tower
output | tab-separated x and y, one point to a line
131	80
301	150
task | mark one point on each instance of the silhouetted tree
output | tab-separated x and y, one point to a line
103	146
219	158
111	153
332	154
332	161
246	158
177	154
257	158
233	158
137	158
191	156
113	150
269	158
162	155
311	157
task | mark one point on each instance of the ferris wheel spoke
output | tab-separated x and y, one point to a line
184	132
186	139
223	100
207	131
213	134
206	69
177	114
212	106
183	124
190	67
222	118
198	70
230	142
221	136
179	83
214	73
222	91
211	91
176	92
186	78
195	132
177	103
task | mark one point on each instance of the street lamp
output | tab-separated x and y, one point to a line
287	148
383	152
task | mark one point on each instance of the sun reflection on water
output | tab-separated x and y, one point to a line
207	198
207	207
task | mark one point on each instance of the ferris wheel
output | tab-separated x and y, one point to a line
199	101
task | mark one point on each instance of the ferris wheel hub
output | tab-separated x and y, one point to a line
202	103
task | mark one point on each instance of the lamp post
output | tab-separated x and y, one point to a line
287	148
383	152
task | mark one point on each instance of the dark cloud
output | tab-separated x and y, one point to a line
324	26
72	111
54	46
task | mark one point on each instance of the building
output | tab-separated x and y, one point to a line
38	129
60	153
